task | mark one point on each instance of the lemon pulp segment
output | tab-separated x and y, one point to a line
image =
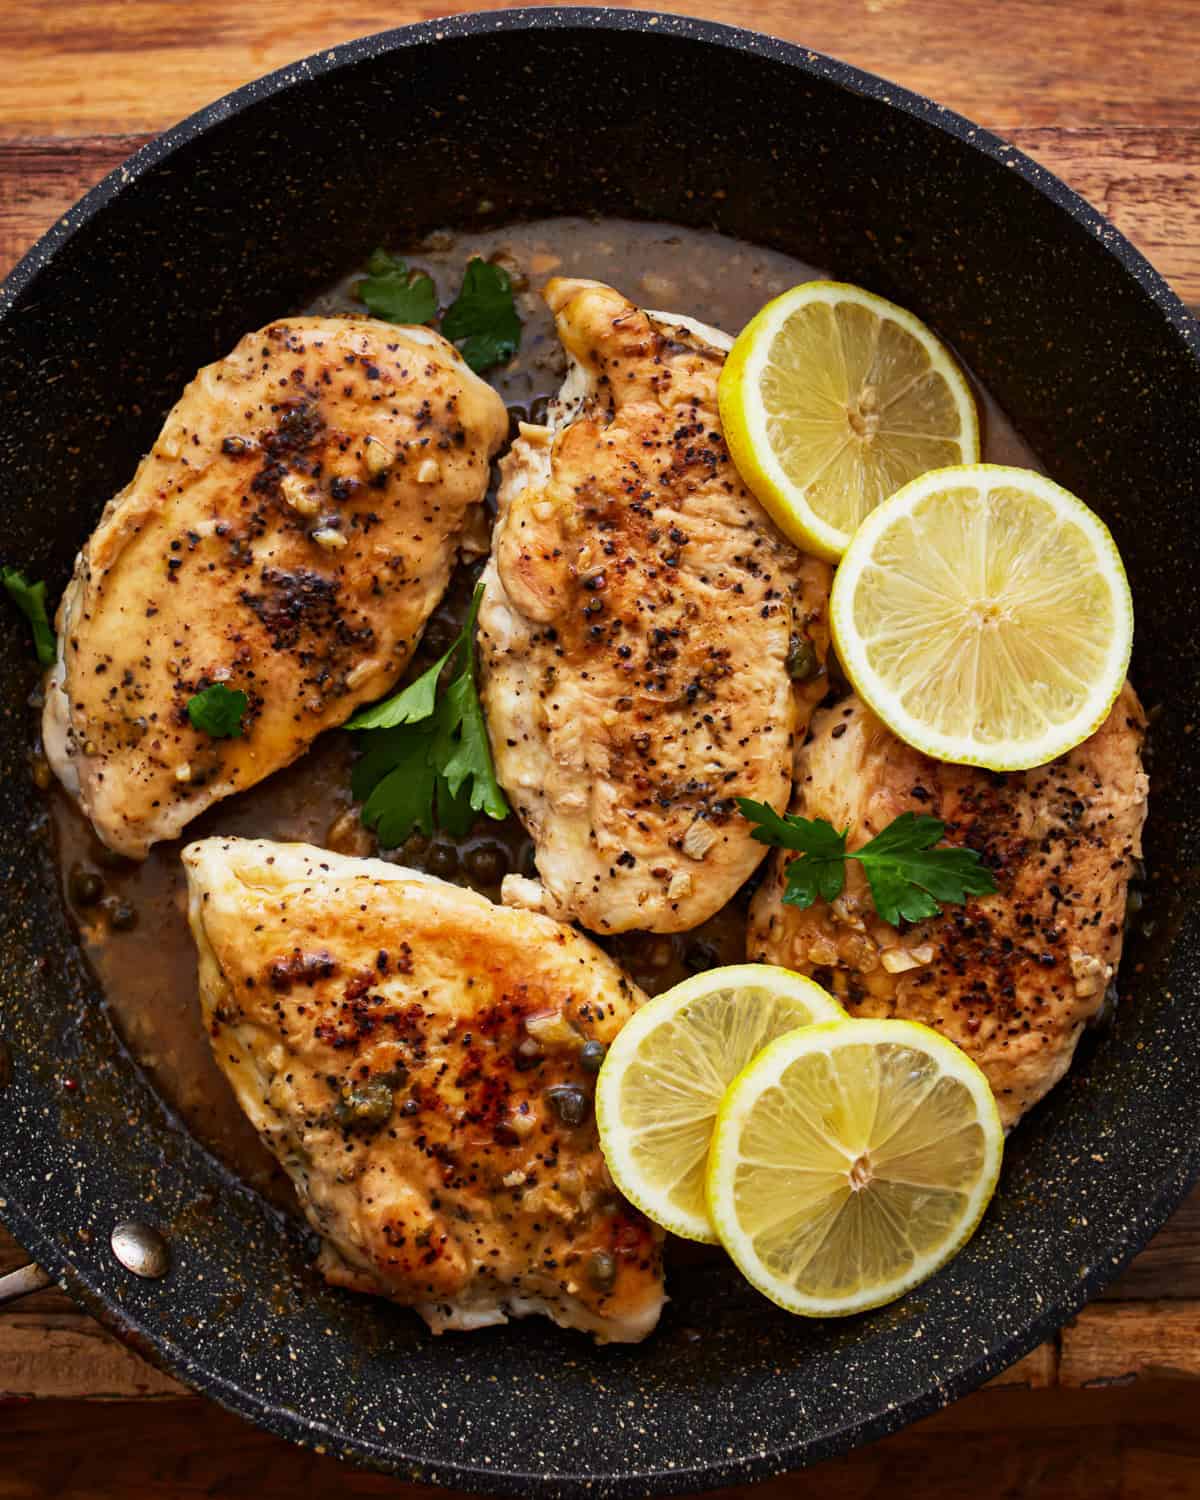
984	614
831	399
850	1161
663	1078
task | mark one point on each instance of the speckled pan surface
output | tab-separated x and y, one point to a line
236	216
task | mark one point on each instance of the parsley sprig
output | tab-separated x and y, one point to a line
909	876
30	599
426	762
482	320
218	711
396	294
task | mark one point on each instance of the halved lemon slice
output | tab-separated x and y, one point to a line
831	399
850	1161
984	614
662	1081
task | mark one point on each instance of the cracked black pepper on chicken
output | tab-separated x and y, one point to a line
628	636
287	536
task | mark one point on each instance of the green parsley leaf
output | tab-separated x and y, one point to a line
822	870
410	705
30	599
378	756
454	814
402	801
482	320
218	711
908	875
426	761
396	294
463	751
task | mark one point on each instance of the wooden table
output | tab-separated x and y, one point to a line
1104	93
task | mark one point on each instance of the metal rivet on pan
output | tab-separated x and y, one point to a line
141	1249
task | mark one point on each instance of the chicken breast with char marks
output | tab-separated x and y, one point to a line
1012	978
413	1055
288	535
639	615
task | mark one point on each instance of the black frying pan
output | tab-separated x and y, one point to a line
237	216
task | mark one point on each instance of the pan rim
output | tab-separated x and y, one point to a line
602	18
1186	1168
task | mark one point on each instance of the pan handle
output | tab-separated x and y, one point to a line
23	1282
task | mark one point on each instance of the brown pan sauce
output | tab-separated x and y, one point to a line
132	917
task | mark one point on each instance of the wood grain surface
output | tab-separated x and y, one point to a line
1129	1444
89	66
1104	93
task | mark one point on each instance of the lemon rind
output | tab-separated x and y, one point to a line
765	1070
865	681
658	1207
745	431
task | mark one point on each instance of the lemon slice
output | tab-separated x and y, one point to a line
662	1081
850	1161
984	614
831	399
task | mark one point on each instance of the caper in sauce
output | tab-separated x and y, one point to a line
85	886
364	1106
486	862
601	1269
591	1055
569	1103
441	859
802	660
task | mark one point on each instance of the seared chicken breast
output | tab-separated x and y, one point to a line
288	535
1012	978
422	1063
639	615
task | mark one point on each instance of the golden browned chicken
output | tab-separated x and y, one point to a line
422	1063
639	617
1011	978
287	536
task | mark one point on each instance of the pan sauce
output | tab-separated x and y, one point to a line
132	917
